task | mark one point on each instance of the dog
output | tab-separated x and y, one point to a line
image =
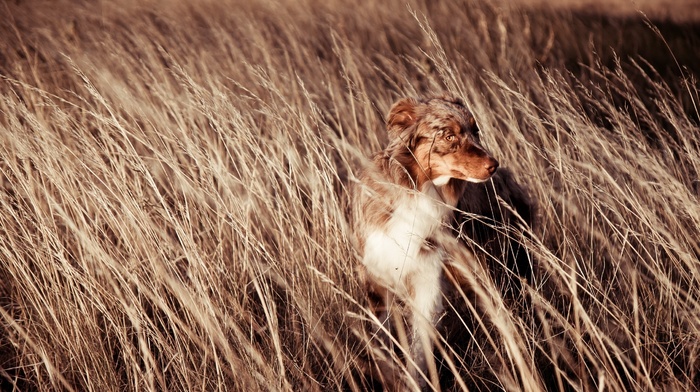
403	207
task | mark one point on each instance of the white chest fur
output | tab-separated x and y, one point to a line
397	252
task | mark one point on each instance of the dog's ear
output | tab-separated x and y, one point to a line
401	117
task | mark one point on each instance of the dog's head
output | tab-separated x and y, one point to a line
442	139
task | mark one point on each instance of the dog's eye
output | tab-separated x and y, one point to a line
450	138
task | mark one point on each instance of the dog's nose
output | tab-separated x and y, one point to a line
491	166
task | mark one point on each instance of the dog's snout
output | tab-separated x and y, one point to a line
491	165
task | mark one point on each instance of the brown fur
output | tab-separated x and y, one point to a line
414	128
433	153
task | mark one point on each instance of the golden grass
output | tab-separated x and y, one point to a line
174	180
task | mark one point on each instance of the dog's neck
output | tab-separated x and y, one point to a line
449	190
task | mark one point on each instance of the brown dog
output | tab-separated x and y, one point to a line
403	206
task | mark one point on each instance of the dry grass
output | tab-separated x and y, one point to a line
173	181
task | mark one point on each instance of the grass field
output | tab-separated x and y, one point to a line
173	182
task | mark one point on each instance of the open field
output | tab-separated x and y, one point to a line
173	183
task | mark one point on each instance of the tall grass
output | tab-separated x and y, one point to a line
174	181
